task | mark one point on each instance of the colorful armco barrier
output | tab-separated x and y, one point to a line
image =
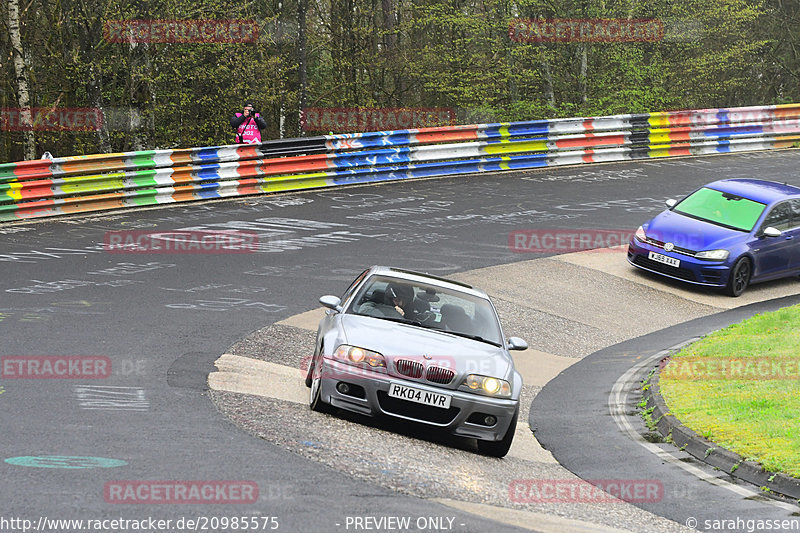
66	185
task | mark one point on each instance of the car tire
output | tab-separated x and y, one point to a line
499	448
739	277
310	372
315	401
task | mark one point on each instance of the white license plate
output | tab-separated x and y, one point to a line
434	399
671	261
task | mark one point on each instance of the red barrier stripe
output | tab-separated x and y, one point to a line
443	136
248	152
41	189
303	163
591	140
39	168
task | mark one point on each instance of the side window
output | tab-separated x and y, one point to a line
795	208
779	217
353	285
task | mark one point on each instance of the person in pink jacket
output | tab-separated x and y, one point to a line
248	125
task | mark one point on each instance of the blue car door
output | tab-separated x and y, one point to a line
794	256
772	254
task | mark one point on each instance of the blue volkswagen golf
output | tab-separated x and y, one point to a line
727	234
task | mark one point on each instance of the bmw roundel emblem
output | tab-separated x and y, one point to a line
426	356
668	247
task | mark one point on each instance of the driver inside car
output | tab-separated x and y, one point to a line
398	302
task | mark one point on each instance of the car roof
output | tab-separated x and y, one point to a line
420	277
763	191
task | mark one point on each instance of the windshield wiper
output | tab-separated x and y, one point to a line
399	320
473	337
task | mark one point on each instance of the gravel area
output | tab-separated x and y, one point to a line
551	333
277	343
413	459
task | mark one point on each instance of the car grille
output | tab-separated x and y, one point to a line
412	369
424	413
676	249
681	273
440	375
415	370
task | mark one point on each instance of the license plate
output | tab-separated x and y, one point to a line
671	261
434	399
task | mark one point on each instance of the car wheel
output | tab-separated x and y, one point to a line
739	277
310	372
315	397
499	448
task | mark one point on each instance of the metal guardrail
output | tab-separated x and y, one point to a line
67	185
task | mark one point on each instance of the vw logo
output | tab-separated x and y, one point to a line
668	247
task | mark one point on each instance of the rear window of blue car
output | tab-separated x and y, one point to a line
721	208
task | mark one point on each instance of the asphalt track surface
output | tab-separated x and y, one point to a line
718	498
163	319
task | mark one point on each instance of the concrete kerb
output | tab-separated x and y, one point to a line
702	449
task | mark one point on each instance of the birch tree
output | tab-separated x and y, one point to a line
21	78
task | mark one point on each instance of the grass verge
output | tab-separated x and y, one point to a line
740	388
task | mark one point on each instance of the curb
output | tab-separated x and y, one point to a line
706	451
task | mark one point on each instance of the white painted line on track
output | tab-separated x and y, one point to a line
545	523
617	402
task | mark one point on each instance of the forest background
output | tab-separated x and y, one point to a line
461	56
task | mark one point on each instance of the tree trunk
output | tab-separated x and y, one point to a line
302	72
94	88
23	93
548	85
582	76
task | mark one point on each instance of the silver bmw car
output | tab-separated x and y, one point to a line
417	347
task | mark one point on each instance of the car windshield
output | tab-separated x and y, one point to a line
721	208
428	306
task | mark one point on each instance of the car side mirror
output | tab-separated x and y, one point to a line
772	232
331	302
515	343
671	203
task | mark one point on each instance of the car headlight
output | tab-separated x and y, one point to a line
489	386
714	255
359	356
640	235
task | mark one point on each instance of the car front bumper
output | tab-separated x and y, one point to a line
690	270
369	396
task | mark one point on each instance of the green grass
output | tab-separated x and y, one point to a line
757	417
